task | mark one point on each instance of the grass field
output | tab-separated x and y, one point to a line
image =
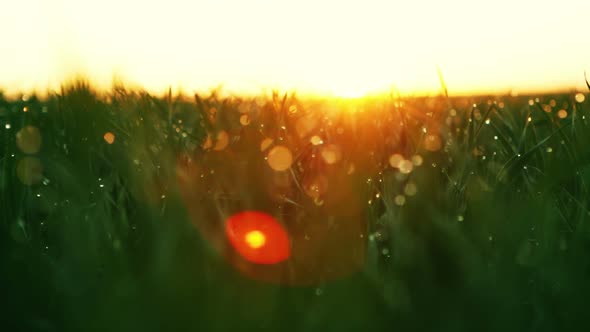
425	213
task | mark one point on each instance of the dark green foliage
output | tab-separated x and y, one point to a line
495	238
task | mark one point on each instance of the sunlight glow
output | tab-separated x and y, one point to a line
345	49
255	239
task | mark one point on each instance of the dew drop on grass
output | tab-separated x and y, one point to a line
244	119
222	141
7	126
316	140
400	200
331	154
417	160
279	158
28	139
580	98
410	189
109	137
432	143
265	144
547	108
208	143
562	114
395	160
460	218
531	102
549	149
406	166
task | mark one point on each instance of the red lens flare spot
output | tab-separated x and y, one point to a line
258	237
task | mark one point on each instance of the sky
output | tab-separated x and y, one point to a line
344	48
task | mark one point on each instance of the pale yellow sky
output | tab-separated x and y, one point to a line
340	47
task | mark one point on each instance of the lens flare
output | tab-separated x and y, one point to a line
255	239
258	237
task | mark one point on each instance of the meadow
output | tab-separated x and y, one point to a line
415	213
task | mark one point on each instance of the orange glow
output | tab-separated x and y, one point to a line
280	158
109	137
258	237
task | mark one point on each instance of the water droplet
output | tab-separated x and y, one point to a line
460	218
109	137
318	291
410	189
28	139
417	160
549	149
406	166
7	126
331	154
495	137
432	143
280	158
531	102
265	144
315	186
222	141
208	143
316	140
395	160
580	98
562	114
400	200
488	121
244	119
